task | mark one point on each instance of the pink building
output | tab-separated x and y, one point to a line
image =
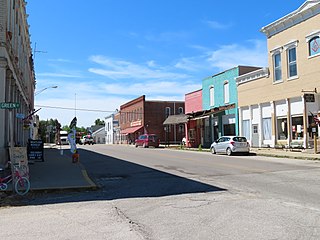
193	101
193	106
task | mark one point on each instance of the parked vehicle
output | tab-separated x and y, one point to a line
230	145
147	140
87	140
63	137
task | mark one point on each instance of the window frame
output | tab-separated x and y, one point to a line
211	96
167	112
226	92
292	63
309	38
278	68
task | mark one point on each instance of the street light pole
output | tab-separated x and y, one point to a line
40	91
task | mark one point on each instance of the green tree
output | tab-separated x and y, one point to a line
48	130
99	122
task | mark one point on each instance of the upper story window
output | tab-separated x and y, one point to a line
314	46
211	93
226	92
277	66
180	110
292	62
168	111
313	40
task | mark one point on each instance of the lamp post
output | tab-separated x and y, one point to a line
40	91
35	94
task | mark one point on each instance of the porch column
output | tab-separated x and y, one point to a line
305	123
186	134
289	122
274	123
250	129
240	122
260	126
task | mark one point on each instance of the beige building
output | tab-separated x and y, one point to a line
277	104
17	79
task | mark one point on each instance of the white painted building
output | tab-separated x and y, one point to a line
112	129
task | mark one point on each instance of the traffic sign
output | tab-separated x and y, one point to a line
9	105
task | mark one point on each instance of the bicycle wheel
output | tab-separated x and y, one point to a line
22	186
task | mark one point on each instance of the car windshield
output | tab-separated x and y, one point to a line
239	139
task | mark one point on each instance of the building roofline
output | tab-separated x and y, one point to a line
307	10
239	66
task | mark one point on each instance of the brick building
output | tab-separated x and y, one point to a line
140	116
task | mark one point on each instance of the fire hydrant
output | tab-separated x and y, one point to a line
75	157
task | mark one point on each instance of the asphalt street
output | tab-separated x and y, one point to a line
169	194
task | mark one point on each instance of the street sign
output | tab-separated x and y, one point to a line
309	97
9	105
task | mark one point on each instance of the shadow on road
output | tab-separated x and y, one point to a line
119	179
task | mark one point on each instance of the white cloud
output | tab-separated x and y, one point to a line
218	25
60	60
58	75
152	88
253	53
120	69
228	56
170	37
96	107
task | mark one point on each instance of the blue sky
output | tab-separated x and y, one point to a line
104	53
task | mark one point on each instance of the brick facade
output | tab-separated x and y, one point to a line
140	116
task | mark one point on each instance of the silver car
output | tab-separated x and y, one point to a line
230	145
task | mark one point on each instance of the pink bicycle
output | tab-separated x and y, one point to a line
20	183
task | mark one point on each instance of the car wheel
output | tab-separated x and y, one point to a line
213	151
229	152
136	145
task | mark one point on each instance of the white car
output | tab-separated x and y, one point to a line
86	140
230	145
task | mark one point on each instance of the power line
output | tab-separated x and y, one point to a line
72	109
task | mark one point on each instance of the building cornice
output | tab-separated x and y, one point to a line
307	10
252	76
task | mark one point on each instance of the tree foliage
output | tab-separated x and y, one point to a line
99	122
48	129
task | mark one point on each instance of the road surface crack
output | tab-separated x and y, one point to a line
135	226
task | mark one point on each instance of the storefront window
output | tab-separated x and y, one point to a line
246	129
282	129
266	127
229	129
297	128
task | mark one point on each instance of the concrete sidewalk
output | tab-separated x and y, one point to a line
286	153
57	172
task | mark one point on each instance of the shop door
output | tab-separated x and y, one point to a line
255	136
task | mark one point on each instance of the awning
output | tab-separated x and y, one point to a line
207	113
131	130
176	119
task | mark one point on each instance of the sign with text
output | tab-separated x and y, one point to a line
18	155
35	150
309	97
9	105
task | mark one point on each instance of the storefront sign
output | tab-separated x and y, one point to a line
309	97
18	155
135	124
35	150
